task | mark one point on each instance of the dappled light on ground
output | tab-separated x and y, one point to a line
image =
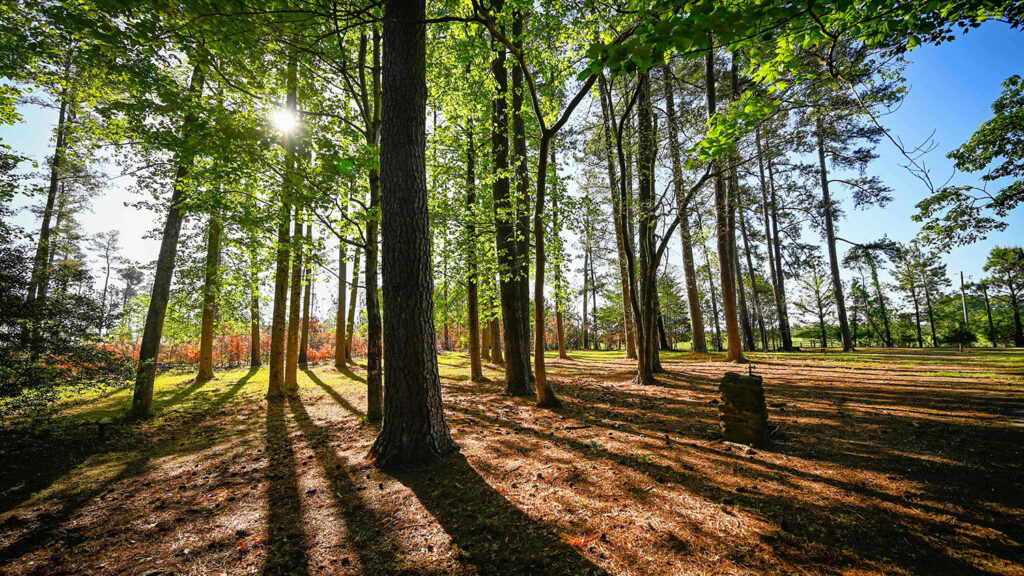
883	463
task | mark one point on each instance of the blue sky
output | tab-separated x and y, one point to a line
951	91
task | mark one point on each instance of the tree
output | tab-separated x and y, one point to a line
959	214
414	427
1005	266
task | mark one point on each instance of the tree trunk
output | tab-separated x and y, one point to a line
753	282
786	335
988	312
291	368
352	300
285	248
476	373
496	356
255	359
210	281
414	427
339	318
307	292
682	204
627	306
1018	331
881	303
724	231
917	314
931	315
522	196
40	268
517	370
142	399
374	329
485	340
647	338
774	269
830	240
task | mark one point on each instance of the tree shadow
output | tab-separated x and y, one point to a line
372	541
334	393
499	538
287	541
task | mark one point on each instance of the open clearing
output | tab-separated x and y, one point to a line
884	462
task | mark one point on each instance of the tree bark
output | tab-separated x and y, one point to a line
40	268
414	427
496	356
255	358
682	204
291	369
374	329
753	283
352	301
472	297
830	240
307	292
210	281
142	399
627	306
513	315
339	318
769	215
724	231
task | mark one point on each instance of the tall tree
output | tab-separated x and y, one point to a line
414	427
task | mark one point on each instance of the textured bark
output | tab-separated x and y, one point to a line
306	293
414	427
210	281
725	233
517	369
291	364
522	194
613	183
476	372
646	319
830	241
485	340
683	205
142	399
374	329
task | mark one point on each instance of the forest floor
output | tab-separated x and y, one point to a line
885	462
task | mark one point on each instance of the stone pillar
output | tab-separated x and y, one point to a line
743	412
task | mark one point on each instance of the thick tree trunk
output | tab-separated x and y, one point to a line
627	306
647	335
210	280
830	240
513	315
725	233
142	399
522	195
414	427
683	204
291	368
476	373
374	328
545	395
374	345
307	292
485	339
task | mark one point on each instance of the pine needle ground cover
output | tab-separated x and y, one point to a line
883	462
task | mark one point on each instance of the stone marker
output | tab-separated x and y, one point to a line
743	412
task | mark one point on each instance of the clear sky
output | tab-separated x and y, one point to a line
951	91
